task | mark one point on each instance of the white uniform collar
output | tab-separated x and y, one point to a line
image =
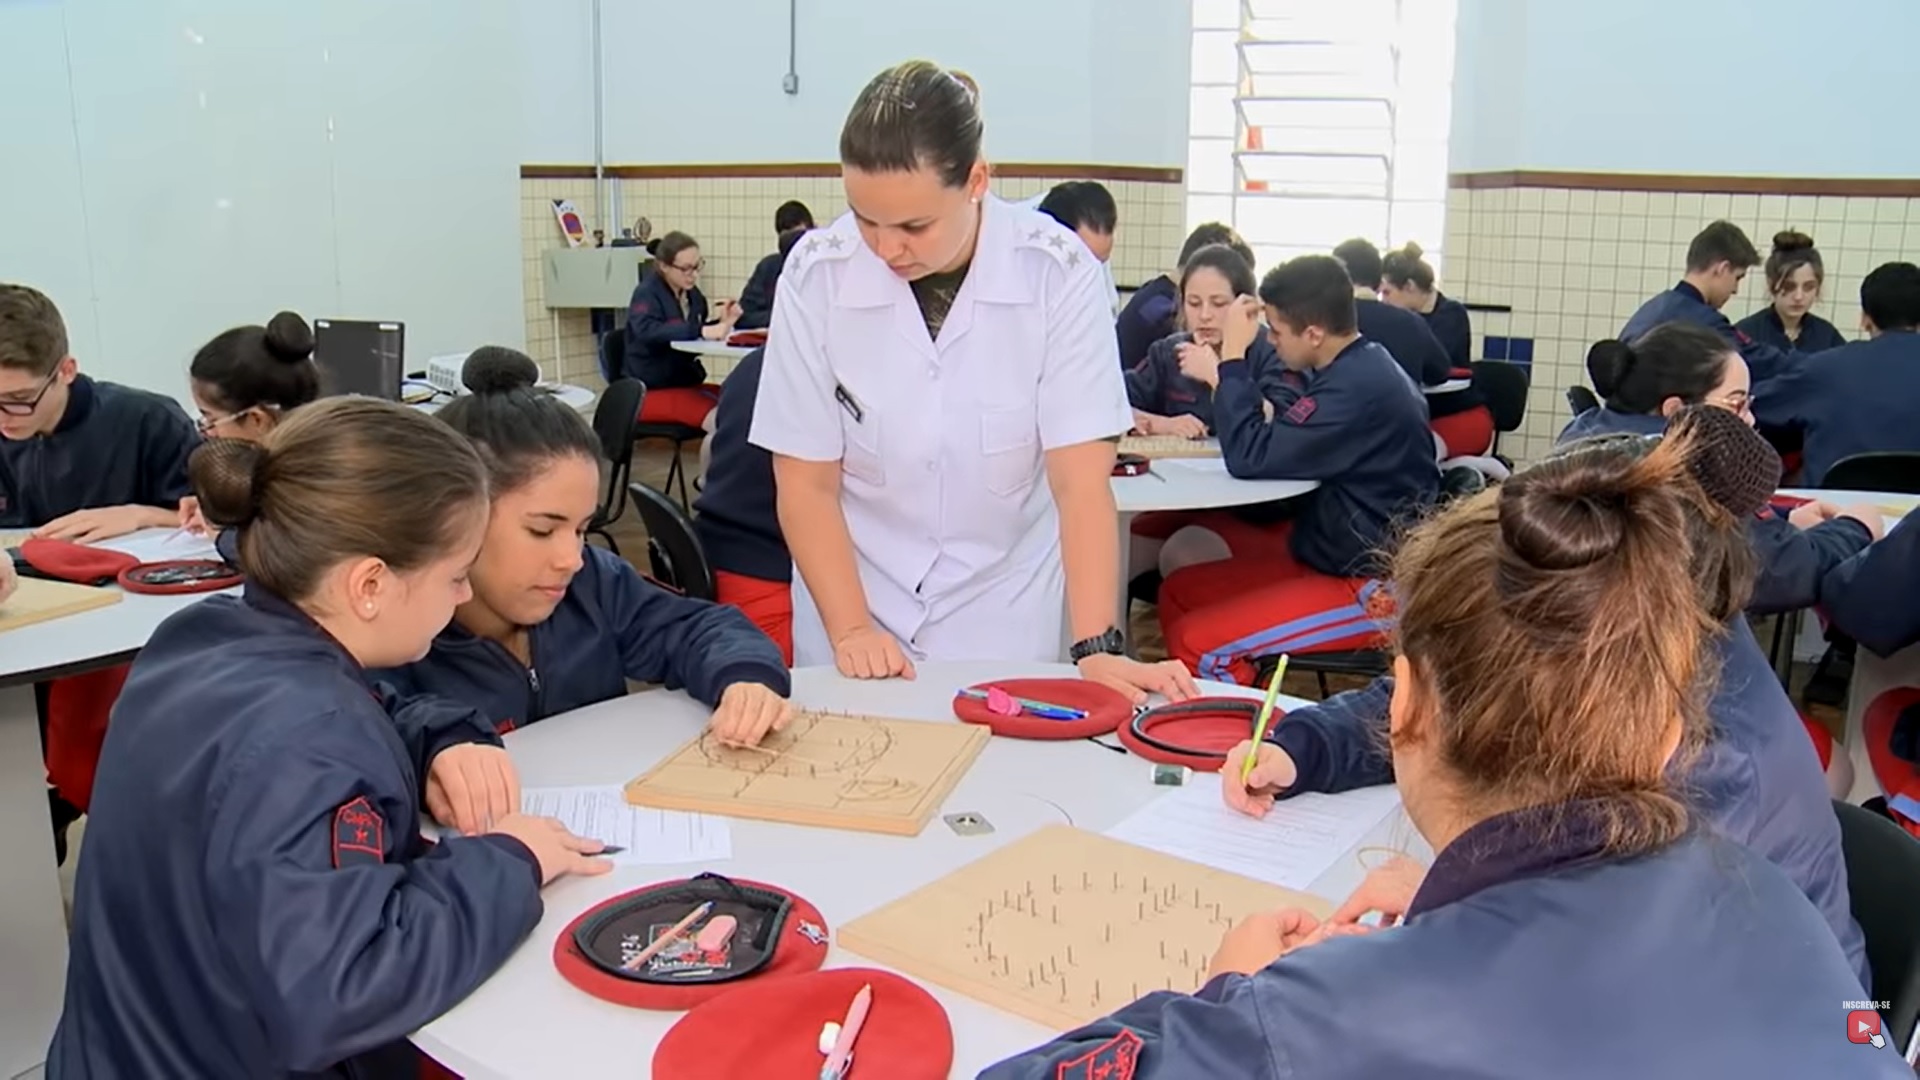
994	276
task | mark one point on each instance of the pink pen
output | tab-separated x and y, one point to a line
849	1031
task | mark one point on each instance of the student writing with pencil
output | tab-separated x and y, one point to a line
1551	649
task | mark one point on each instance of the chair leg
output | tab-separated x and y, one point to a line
676	472
1325	693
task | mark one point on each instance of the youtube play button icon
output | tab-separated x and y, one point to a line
1863	1026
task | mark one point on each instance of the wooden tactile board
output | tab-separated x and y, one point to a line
836	770
38	600
1065	926
1169	446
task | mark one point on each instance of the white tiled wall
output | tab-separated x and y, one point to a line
1574	264
733	221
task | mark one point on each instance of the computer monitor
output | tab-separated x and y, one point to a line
356	357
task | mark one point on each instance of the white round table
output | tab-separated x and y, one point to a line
718	356
1451	386
580	398
527	1023
33	927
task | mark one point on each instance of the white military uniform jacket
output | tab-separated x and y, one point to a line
941	444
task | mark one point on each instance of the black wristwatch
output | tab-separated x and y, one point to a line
1112	643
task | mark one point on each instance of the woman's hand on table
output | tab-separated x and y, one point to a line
1388	889
191	519
558	851
868	652
747	712
1273	773
1869	515
472	786
1168	678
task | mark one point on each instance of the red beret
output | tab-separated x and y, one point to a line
1104	706
772	1028
1197	733
80	563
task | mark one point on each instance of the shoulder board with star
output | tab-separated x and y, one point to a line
831	244
1042	233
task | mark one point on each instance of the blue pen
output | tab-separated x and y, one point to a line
1040	709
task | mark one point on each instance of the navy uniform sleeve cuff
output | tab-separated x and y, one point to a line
519	851
777	679
1309	754
1235	369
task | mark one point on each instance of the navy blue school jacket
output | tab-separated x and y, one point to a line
1790	562
1156	385
1858	398
1151	313
1407	338
1874	597
1453	327
736	520
256	900
1683	303
1358	426
114	446
1527	952
654	323
1816	333
613	625
1757	781
756	300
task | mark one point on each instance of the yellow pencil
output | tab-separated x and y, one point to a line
1266	716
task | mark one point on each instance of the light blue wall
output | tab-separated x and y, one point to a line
175	167
1715	87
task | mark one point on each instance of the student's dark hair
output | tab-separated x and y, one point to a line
1890	296
913	115
1227	262
1404	266
1674	359
1213	232
342	478
792	214
251	366
1721	242
1362	261
653	247
1079	204
1791	251
1555	625
33	336
518	430
671	245
1311	290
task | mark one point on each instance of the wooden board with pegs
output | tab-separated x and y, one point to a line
831	769
1065	926
38	600
1169	446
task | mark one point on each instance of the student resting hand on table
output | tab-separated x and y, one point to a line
1549	631
245	381
257	899
554	624
944	404
1755	778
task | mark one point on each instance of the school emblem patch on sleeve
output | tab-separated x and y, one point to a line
1301	410
1114	1059
359	835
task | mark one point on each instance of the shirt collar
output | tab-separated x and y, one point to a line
992	276
267	602
1507	847
81	400
1685	288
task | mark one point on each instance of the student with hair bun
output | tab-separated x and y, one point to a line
1717	261
1795	274
1676	365
553	623
1553	663
245	380
1406	281
256	898
668	306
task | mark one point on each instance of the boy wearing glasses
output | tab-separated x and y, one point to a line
80	460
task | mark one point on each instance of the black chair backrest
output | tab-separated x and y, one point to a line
1503	386
1890	470
671	545
615	420
1883	878
613	352
1580	399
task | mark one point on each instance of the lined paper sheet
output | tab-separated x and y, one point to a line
1299	839
650	836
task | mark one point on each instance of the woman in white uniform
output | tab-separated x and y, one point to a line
941	397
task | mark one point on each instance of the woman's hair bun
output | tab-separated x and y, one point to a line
1791	240
226	477
1608	364
1411	250
1733	464
496	369
289	338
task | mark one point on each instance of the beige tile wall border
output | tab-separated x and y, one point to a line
1853	187
1152	174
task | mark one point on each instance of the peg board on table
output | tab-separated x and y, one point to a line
38	600
836	770
13	539
1065	926
1169	446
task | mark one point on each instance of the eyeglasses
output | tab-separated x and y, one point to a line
694	269
1739	401
25	408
